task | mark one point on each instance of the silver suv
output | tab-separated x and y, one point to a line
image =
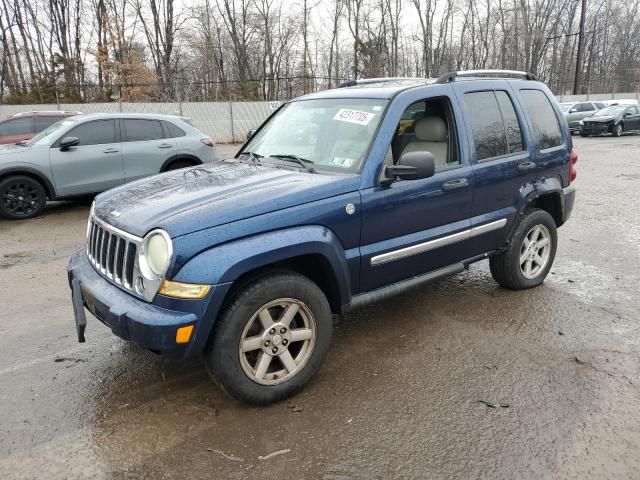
575	111
88	154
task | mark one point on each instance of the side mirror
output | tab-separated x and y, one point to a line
68	142
573	110
412	166
250	133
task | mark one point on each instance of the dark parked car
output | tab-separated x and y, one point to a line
615	120
23	126
245	260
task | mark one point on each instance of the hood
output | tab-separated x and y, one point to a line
603	119
13	149
185	201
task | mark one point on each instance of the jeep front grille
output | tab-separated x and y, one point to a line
113	252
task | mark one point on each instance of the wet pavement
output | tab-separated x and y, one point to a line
458	379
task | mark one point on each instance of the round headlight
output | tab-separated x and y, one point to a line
157	252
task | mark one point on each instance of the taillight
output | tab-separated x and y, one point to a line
208	142
573	158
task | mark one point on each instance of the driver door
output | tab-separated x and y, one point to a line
412	227
94	165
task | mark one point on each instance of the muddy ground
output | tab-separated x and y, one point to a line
459	379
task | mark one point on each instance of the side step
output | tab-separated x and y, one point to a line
378	294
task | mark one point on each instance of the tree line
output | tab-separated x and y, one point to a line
154	50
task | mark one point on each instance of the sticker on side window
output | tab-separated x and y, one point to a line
353	116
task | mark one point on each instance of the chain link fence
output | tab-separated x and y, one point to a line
224	122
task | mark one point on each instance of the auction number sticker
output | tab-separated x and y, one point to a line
354	116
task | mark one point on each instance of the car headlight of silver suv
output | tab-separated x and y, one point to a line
155	255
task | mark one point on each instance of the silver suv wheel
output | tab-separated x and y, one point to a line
535	251
277	341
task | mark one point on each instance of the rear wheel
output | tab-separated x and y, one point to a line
617	130
528	259
21	197
271	340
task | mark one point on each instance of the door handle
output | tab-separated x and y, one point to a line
455	184
527	166
111	150
165	145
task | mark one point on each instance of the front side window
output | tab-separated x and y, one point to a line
139	130
97	132
546	127
427	126
18	126
332	134
494	124
585	107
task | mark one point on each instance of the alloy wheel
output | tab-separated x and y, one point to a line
535	251
21	198
277	341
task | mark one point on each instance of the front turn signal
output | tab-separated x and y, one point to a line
183	334
191	291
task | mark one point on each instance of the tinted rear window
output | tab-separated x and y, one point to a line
546	128
173	130
18	126
137	130
495	126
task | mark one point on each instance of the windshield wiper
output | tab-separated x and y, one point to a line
303	162
255	157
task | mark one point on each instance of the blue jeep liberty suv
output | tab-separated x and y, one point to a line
339	199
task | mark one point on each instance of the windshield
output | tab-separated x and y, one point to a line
50	134
333	134
565	107
615	110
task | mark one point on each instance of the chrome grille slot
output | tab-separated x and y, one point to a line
113	253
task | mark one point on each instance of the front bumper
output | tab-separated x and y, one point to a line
595	128
151	325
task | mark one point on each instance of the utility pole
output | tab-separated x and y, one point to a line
578	77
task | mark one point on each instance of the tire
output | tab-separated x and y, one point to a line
21	197
584	134
507	268
178	164
616	131
238	372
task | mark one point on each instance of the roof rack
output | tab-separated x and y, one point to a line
452	76
366	81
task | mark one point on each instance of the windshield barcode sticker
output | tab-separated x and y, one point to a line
353	116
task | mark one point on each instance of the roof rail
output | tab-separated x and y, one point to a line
366	81
452	76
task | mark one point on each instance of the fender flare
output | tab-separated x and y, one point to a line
32	172
532	192
180	156
225	263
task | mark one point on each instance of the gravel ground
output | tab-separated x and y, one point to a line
458	379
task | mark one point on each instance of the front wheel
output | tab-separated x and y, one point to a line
21	197
271	340
617	130
528	259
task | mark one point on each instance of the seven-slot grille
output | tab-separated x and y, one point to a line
113	252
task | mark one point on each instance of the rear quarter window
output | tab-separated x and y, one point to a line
544	123
173	131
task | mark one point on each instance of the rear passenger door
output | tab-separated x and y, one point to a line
146	147
501	158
